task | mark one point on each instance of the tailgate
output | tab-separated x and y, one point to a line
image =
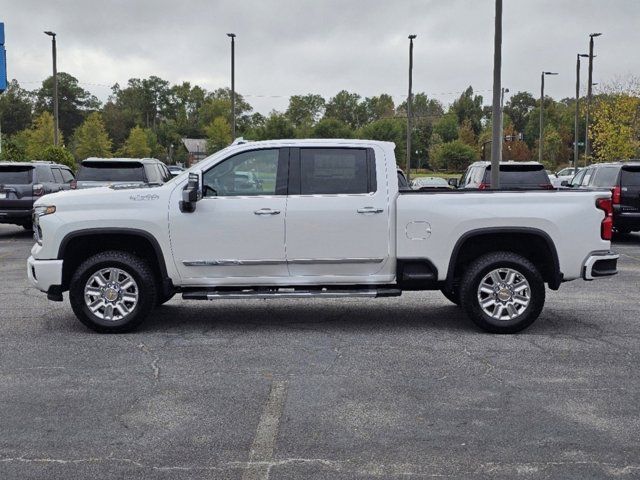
630	188
15	185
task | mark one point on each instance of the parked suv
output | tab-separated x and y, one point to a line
102	172
22	183
624	181
513	176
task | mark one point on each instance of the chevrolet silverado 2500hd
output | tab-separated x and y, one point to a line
313	218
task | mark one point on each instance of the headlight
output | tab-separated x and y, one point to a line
42	210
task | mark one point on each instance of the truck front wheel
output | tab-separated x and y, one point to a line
502	292
112	292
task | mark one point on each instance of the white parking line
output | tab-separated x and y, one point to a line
263	446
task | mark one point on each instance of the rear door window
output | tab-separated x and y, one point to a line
16	174
57	176
606	177
111	172
67	176
331	171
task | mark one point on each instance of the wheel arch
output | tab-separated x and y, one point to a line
77	246
520	240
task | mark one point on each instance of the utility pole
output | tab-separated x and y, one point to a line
409	102
587	146
541	139
497	88
504	90
576	135
233	84
55	87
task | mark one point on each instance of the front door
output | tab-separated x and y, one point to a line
337	213
237	233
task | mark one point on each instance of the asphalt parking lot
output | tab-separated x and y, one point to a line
285	389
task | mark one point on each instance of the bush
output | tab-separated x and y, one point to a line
59	155
454	156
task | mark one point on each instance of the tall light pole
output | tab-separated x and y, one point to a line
497	90
55	87
504	90
587	148
576	135
541	140
233	84
409	102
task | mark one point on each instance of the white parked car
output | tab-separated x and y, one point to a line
564	175
332	223
429	182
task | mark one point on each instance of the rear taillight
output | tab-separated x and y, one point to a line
37	190
73	184
484	186
606	227
615	195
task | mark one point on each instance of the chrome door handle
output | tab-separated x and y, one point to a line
267	211
370	210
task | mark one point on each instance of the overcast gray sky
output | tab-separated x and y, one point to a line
291	47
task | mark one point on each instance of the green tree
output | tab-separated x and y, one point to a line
518	108
74	102
59	155
305	110
15	109
616	127
447	128
14	147
137	144
331	128
218	134
454	156
91	138
347	108
276	126
469	107
40	136
376	108
466	134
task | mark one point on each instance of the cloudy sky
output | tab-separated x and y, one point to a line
288	47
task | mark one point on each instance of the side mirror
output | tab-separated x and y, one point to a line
453	182
192	192
564	183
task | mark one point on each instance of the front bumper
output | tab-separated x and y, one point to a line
45	274
600	264
15	216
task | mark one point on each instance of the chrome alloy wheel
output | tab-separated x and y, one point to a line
504	294
111	294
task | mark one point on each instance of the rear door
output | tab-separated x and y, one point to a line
630	188
337	221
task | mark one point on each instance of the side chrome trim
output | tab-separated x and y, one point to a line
300	261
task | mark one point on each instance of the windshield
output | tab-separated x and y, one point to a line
111	172
16	174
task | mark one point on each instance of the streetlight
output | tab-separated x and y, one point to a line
233	84
589	89
541	140
504	90
55	87
576	136
409	101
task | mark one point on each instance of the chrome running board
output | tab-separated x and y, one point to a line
290	293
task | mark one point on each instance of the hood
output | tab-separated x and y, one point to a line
103	197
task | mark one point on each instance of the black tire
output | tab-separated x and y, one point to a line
452	295
131	265
473	277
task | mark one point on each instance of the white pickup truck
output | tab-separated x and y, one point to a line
313	218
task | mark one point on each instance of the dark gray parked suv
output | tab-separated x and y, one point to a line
104	172
22	183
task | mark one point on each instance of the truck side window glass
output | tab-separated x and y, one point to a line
246	174
67	176
57	176
333	171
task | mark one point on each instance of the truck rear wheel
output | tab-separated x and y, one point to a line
112	292
502	292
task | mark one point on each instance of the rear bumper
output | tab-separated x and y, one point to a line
44	274
600	264
627	220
